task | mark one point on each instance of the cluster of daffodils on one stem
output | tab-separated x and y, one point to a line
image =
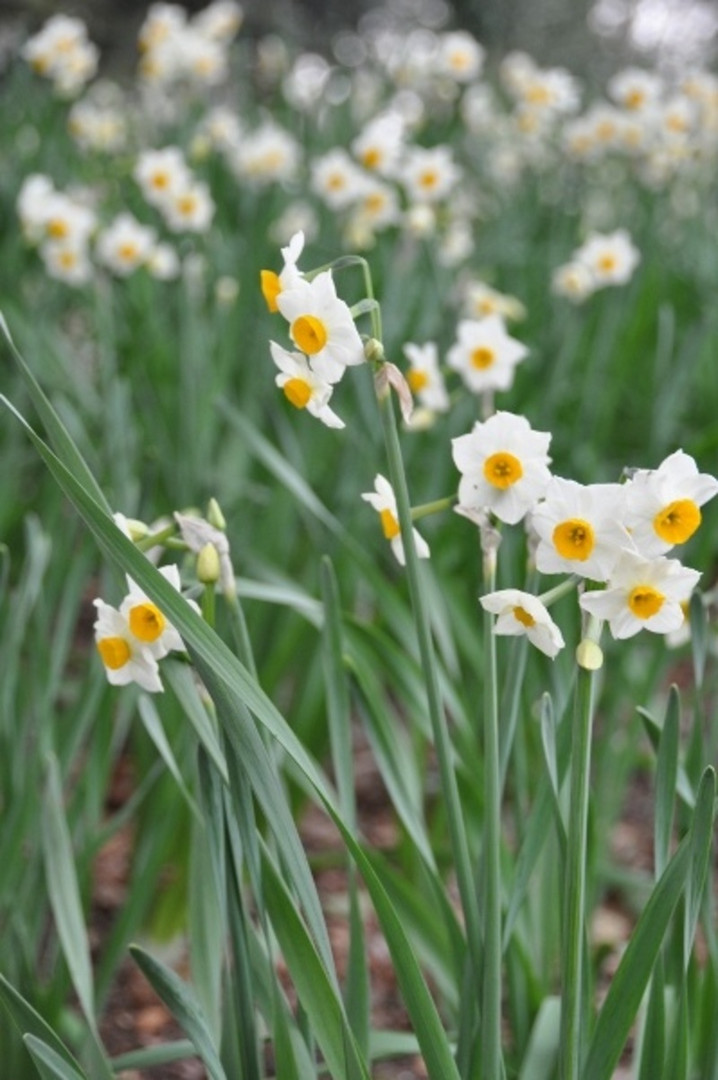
322	328
131	639
617	535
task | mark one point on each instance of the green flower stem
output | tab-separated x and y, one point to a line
440	731
208	605
572	1003
434	507
491	996
439	726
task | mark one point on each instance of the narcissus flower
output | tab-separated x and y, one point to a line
302	387
664	504
504	466
148	625
273	283
321	326
642	594
484	354
579	528
384	502
424	376
522	613
125	657
611	257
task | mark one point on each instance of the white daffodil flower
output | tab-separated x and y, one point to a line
321	326
642	594
484	355
384	502
273	283
147	624
504	466
302	387
424	376
522	613
579	528
125	657
663	506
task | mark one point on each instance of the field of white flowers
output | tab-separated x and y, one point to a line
356	404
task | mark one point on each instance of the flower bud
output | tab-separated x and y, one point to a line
208	565
215	516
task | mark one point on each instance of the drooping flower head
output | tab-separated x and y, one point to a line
384	502
522	613
302	387
424	376
504	466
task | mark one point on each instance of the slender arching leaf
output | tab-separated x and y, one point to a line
181	1002
319	998
58	435
50	1064
29	1022
629	983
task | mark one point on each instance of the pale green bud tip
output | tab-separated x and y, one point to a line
137	529
374	351
215	516
589	655
208	568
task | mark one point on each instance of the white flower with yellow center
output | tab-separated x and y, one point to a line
160	174
460	56
125	245
663	507
574	280
610	257
579	528
424	376
67	261
480	300
504	466
321	326
190	208
302	387
484	354
642	594
273	283
635	89
429	175
336	179
265	156
379	146
384	502
125	657
148	625
522	613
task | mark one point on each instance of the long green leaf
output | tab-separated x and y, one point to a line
322	1003
666	777
58	435
50	1065
181	1002
357	981
64	891
28	1021
629	983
